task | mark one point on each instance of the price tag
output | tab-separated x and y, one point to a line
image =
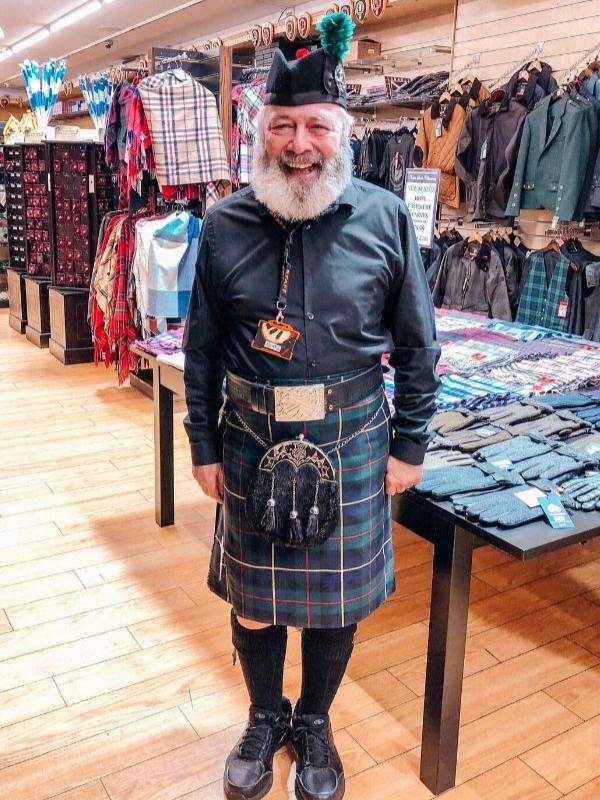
531	497
439	128
486	431
563	307
555	512
484	149
591	449
502	463
91	183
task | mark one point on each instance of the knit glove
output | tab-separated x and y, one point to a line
566	402
443	483
590	414
454	420
559	426
506	509
516	449
588	442
437	459
515	413
471	439
560	463
584	490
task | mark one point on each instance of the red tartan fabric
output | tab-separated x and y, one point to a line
122	332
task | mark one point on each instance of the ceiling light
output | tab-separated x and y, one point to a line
1	34
75	16
6	54
42	34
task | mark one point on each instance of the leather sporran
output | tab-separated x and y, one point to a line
293	499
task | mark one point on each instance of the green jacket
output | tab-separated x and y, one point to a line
553	167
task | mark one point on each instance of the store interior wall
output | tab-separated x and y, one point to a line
503	36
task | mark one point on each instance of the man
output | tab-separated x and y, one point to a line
304	279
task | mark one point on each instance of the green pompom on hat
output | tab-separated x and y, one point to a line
317	77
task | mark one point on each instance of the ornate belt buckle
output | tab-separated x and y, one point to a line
300	403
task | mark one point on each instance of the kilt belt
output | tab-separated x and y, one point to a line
302	402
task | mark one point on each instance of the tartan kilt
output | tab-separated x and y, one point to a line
330	585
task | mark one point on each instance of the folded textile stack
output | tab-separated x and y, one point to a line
166	343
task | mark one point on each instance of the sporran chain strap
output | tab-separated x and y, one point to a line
331	450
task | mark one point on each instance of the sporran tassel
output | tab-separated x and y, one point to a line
312	526
295	535
269	521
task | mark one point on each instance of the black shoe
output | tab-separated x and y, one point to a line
249	766
319	770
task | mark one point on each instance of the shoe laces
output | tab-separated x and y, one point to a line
316	745
253	742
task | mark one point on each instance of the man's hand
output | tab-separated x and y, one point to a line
210	479
400	476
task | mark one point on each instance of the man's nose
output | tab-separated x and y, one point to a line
301	142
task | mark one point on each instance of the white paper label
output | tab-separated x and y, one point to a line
503	463
531	497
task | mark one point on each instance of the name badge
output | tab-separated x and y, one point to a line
276	339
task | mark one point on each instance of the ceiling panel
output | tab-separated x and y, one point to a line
151	22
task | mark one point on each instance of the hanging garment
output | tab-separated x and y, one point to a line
397	158
486	156
552	167
471	278
171	265
539	84
186	133
544	300
250	100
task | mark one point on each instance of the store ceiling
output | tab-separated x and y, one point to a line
133	26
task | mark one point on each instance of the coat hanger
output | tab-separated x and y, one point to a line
445	97
523	75
553	246
536	64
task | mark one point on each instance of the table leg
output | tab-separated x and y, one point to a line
451	584
164	476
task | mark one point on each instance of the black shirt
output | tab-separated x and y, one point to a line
397	158
357	290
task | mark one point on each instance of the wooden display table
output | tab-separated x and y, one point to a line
70	334
17	299
37	329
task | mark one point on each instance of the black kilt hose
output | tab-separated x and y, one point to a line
330	585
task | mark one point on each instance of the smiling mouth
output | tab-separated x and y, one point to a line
303	170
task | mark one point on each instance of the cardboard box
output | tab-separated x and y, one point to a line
363	49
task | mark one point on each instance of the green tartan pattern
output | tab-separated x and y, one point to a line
539	303
331	585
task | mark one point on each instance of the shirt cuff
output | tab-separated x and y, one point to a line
207	452
408	450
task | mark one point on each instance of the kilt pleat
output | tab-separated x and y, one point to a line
330	585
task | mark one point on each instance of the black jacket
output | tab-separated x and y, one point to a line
486	155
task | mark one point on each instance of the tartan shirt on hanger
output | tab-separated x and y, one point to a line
186	132
250	102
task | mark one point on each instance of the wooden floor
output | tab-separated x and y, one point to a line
116	676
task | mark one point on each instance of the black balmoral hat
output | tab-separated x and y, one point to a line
317	77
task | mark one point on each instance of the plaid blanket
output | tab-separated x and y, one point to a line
186	133
328	586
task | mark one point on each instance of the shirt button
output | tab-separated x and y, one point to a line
313	363
308	227
310	315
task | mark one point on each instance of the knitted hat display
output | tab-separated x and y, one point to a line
316	77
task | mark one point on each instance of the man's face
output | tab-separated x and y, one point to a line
300	139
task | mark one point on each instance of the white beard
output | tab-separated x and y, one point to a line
291	199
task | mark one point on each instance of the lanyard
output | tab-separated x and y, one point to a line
286	271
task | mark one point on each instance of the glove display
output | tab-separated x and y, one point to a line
471	439
584	490
566	402
559	463
515	413
556	425
516	449
436	459
590	414
443	483
506	509
455	420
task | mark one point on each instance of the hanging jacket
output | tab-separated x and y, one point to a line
544	300
540	84
471	278
552	166
486	155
